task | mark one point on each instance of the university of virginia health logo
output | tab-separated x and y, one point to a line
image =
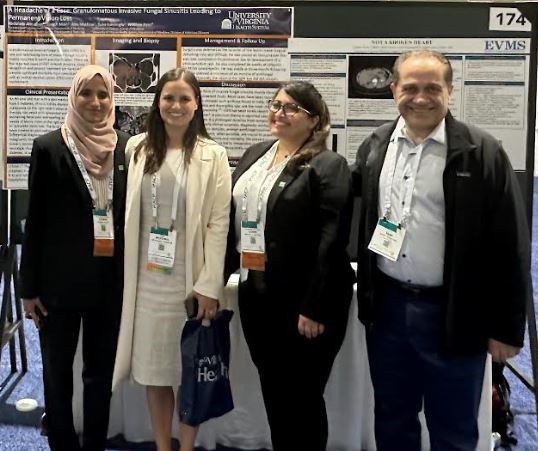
246	21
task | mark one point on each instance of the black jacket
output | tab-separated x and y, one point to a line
487	250
57	261
306	233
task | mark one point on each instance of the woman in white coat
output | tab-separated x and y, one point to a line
177	213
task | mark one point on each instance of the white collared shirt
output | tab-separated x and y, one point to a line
421	259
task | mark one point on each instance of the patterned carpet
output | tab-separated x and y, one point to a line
20	431
523	403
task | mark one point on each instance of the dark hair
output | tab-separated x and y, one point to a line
424	53
155	141
307	96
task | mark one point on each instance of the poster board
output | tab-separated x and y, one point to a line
241	54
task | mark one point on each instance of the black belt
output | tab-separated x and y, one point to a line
416	290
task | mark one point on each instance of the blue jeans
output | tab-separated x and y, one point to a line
408	371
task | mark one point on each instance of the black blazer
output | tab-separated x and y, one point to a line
57	261
486	276
306	233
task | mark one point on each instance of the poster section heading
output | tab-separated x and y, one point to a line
490	84
29	113
238	69
44	61
185	20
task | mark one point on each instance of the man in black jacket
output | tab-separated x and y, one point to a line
443	261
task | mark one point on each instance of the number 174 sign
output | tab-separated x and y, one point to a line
508	19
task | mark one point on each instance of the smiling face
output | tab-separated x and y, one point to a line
422	94
93	102
294	129
177	104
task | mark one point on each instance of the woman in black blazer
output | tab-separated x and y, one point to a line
72	256
289	229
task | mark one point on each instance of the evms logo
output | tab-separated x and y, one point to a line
505	45
246	21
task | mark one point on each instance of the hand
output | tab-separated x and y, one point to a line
207	307
500	352
35	310
309	328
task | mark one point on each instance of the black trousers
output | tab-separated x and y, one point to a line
293	370
59	338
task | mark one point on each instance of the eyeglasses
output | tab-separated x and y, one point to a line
289	109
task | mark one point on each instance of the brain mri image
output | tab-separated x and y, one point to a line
134	72
131	119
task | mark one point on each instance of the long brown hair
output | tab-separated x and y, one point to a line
155	141
307	96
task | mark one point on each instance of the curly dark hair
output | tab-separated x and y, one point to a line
308	97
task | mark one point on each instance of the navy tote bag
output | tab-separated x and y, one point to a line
205	385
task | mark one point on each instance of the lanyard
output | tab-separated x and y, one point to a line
266	182
410	186
86	177
179	184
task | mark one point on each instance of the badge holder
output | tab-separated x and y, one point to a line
252	246
387	239
161	250
103	241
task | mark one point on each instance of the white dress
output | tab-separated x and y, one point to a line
160	311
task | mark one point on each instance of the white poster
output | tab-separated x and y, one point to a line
354	76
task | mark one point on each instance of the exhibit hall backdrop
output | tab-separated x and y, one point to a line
241	53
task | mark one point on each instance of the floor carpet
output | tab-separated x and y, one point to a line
20	431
